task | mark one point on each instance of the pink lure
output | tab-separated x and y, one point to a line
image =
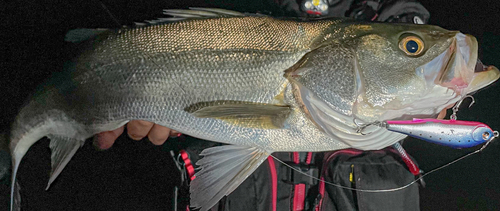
452	133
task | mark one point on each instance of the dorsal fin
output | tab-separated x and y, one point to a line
192	13
198	12
83	34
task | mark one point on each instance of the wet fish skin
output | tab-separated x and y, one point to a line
186	76
135	69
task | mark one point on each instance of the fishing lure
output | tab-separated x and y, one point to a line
452	133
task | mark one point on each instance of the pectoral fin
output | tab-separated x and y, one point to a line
63	149
223	169
254	115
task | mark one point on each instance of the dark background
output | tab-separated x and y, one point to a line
32	47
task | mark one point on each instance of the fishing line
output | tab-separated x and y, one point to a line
496	134
103	6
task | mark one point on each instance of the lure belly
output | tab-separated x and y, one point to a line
452	133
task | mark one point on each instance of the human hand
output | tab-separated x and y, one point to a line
442	114
137	130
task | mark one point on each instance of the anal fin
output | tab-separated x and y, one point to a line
224	168
63	149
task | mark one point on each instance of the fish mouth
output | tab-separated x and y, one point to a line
458	67
483	76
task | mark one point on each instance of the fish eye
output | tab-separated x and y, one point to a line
411	45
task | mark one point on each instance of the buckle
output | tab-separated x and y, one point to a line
308	174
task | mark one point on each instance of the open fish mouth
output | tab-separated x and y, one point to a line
458	68
483	76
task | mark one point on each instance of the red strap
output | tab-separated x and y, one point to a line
309	157
299	197
321	192
296	157
274	182
188	164
300	189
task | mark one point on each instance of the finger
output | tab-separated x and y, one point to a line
442	114
174	133
138	129
106	139
158	134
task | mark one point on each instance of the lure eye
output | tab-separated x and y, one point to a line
411	45
486	136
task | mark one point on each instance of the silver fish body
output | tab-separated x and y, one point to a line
258	83
155	73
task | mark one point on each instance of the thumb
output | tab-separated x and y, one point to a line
106	139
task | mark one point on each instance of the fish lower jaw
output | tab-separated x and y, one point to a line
484	78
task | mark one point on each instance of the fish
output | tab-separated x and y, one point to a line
452	133
256	83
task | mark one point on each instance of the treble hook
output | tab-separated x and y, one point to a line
455	108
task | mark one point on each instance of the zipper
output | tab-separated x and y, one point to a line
351	175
